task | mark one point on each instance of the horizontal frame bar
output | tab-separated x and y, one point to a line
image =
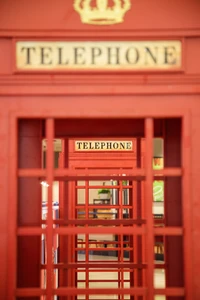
94	174
170	292
29	292
170	231
107	269
102	230
116	222
103	291
97	265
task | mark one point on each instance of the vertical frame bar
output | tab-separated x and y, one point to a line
74	238
142	216
134	240
75	214
139	215
174	250
148	209
121	244
120	238
87	245
186	204
29	203
49	230
61	212
12	224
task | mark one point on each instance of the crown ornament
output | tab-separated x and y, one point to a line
102	13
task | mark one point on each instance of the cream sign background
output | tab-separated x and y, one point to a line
105	55
103	145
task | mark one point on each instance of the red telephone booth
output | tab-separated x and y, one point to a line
99	96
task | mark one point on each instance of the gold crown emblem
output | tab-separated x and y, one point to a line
102	13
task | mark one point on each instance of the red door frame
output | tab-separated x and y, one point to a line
11	280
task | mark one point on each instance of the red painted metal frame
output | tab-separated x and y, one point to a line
148	208
148	230
49	230
140	215
186	211
151	95
12	241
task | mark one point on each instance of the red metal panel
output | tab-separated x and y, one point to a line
186	209
4	192
12	225
29	212
195	203
173	217
22	19
131	96
5	47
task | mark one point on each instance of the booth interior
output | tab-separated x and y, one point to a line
107	200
